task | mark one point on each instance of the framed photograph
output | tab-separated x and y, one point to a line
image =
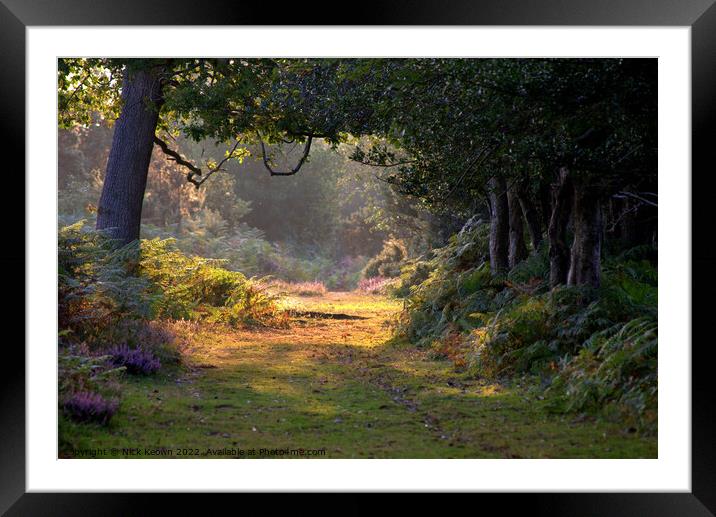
420	253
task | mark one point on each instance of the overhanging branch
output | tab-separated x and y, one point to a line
294	170
194	171
385	165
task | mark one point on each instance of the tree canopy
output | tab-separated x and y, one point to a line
450	132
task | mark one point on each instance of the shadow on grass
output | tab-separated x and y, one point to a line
385	401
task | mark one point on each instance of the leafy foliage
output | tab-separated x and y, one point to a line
78	371
97	289
246	250
388	262
194	287
101	287
450	289
615	369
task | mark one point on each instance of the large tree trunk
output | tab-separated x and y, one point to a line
558	248
499	226
534	225
517	248
120	205
585	262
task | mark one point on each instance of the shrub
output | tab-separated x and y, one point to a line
185	282
532	274
195	287
448	297
157	336
469	247
87	406
246	249
595	347
251	305
529	332
78	371
104	289
412	274
499	347
137	361
388	262
616	369
97	287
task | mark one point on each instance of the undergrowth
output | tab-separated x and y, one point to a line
387	263
117	307
102	286
246	249
586	350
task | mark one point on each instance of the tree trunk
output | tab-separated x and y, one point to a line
517	248
499	227
546	198
627	224
585	263
534	225
120	205
558	249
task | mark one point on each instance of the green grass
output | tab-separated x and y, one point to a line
342	386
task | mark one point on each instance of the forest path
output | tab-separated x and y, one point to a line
339	387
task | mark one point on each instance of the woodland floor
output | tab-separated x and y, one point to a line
337	384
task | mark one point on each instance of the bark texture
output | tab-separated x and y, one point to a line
546	202
120	205
517	247
585	261
499	227
558	249
534	226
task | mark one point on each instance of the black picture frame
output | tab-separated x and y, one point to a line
700	15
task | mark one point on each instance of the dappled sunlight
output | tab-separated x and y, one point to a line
457	271
345	385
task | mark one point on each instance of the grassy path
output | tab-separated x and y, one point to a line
338	386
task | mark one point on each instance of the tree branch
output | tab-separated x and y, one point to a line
483	155
385	165
193	169
635	196
294	170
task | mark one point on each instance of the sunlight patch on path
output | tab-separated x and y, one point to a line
342	385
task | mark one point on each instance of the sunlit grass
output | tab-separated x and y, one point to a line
342	385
